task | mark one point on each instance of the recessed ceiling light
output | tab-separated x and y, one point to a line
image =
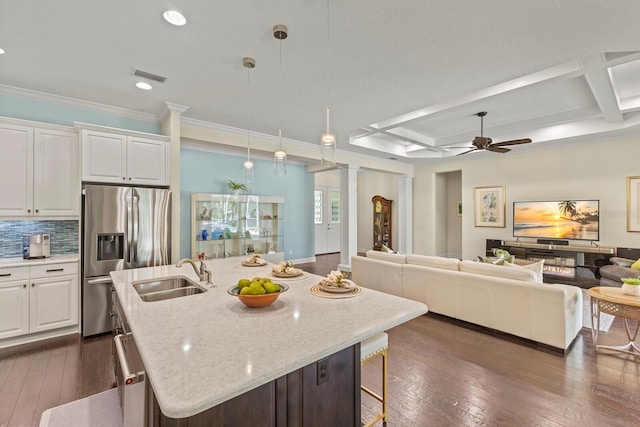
174	17
143	85
1	51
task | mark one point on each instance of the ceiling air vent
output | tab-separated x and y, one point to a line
149	76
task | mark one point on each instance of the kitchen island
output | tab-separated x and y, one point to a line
202	350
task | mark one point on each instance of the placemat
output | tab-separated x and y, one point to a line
317	291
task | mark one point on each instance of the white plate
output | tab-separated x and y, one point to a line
255	264
338	290
292	272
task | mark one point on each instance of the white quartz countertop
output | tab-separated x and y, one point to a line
21	262
204	349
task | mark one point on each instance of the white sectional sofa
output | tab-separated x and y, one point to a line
505	298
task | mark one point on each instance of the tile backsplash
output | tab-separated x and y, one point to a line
64	236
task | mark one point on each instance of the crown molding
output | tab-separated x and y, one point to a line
73	102
236	137
107	129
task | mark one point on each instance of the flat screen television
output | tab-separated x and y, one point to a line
558	219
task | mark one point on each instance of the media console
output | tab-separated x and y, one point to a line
572	265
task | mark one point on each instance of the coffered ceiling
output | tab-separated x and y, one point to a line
403	79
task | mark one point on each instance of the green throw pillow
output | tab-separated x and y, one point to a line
636	265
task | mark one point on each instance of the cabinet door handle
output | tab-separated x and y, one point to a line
123	178
28	210
33	285
37	210
24	286
53	270
5	275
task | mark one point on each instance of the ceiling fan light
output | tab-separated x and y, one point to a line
248	164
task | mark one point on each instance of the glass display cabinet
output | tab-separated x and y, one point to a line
226	225
382	234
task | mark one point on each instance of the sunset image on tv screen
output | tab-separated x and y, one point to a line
566	219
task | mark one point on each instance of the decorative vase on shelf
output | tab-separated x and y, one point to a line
631	289
204	234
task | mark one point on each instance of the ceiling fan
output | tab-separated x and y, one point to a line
485	143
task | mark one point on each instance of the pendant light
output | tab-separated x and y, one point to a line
328	140
280	156
249	63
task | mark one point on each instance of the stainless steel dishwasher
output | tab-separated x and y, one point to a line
130	379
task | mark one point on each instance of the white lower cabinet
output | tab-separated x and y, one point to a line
14	309
44	297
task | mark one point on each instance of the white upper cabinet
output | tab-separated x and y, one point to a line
116	158
103	156
39	171
56	186
16	170
147	161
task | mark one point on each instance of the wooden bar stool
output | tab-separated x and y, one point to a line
371	347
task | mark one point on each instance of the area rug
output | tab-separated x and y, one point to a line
99	410
606	320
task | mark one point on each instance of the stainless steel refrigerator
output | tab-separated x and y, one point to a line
122	228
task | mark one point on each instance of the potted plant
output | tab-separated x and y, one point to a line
631	286
237	187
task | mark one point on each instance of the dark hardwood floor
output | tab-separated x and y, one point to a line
36	377
441	373
324	264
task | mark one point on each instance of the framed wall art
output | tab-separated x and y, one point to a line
489	206
633	203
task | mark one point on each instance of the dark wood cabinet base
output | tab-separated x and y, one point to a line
325	392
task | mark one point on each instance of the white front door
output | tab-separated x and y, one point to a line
327	219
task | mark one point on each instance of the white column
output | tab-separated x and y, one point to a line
349	215
405	214
171	126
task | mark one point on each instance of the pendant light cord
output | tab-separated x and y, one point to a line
248	113
281	97
328	65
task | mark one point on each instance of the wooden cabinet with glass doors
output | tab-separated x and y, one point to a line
226	225
382	234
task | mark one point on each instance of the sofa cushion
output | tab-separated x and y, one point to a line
536	267
384	256
636	265
485	269
434	261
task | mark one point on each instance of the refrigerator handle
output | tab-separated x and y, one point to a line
136	218
129	246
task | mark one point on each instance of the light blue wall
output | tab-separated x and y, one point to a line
205	172
58	114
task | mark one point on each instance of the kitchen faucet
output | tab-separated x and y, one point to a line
203	272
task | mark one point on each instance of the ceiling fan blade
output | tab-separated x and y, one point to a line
497	149
512	142
465	152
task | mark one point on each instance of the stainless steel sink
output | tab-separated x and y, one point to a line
167	288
